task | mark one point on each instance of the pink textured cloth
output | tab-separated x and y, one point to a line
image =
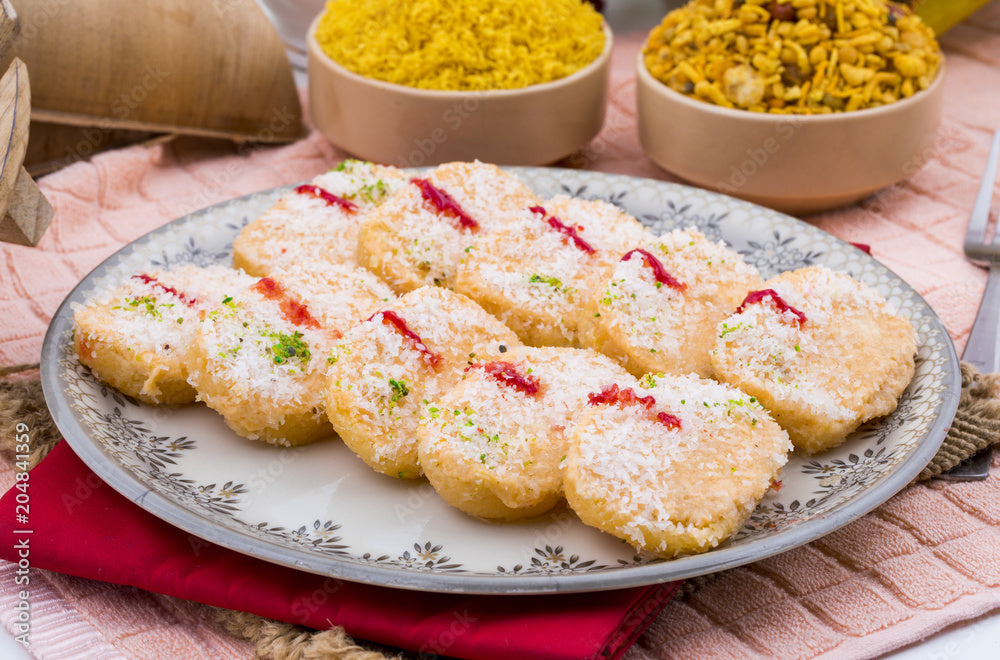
926	559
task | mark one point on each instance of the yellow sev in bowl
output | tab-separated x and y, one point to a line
794	56
461	45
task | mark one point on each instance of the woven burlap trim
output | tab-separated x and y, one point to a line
21	401
273	639
976	425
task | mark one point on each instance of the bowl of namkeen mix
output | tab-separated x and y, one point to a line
515	351
799	105
515	82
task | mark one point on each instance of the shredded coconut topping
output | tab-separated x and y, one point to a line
252	338
511	436
536	272
660	273
670	481
373	354
247	340
444	204
306	226
769	342
635	304
159	311
569	231
397	323
431	245
701	263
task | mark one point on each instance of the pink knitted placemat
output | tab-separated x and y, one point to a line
926	559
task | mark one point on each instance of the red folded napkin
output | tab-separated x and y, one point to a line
81	526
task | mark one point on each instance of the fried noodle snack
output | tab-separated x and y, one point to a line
794	56
470	45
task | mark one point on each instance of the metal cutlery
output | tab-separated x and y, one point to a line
981	349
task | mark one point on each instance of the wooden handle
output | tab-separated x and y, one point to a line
24	211
9	27
28	214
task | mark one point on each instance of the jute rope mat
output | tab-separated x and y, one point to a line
976	426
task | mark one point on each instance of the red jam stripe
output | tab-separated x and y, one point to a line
614	395
327	196
668	420
660	273
507	374
776	301
156	284
567	230
294	312
396	322
444	203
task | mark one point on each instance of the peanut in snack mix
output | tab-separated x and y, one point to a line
794	56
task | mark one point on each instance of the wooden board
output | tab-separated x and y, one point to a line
172	66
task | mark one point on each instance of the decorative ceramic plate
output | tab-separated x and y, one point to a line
320	509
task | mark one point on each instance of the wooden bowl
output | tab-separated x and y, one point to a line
791	163
409	127
172	66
